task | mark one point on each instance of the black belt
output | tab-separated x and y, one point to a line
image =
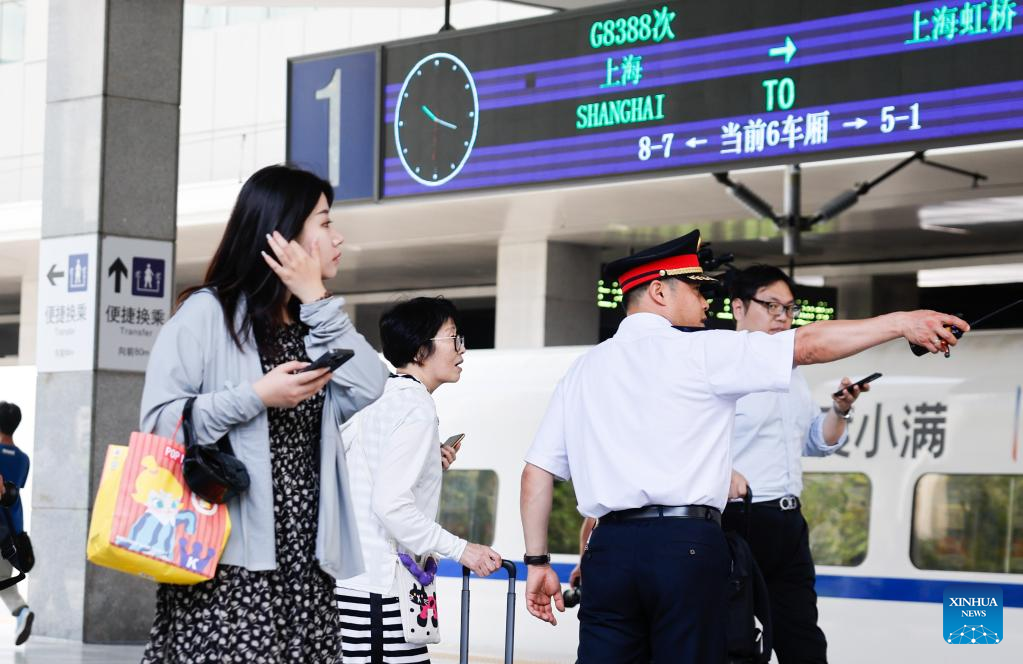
785	503
665	511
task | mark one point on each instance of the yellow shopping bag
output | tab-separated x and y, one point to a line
146	522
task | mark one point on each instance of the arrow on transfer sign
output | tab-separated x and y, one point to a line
53	274
858	123
693	142
117	269
788	49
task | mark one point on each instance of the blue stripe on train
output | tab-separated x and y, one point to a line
851	587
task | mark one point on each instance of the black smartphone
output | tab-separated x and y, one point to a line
860	383
332	359
453	440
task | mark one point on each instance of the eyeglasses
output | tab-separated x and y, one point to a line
459	341
775	308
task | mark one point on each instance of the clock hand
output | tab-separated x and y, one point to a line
429	114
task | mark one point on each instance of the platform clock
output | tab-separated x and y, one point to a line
436	119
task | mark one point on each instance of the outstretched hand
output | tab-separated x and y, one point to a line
931	329
542	590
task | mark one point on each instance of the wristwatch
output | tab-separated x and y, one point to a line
847	415
544	559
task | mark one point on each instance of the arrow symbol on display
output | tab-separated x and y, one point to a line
788	49
53	274
858	123
693	142
118	270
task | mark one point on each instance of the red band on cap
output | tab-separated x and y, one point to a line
650	271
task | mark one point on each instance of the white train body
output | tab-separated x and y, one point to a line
884	609
870	612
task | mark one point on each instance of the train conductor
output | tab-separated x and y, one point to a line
642	425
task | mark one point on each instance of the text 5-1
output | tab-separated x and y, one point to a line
647	147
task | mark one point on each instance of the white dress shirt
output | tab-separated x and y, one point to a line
772	431
394	462
646	417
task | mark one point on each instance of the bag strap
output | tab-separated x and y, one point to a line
7	583
747	509
185	424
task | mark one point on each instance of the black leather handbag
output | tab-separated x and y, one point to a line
211	470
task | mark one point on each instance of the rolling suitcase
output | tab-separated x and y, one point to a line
509	619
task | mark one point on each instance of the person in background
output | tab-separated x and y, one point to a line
14	466
772	431
395	460
238	343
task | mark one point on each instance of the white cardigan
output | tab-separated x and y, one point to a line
394	464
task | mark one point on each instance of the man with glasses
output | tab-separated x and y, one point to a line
772	431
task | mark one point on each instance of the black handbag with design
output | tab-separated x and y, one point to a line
211	470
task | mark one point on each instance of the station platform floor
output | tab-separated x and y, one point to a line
43	650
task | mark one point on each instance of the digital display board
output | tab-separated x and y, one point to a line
700	85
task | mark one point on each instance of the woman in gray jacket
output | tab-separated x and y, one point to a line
235	344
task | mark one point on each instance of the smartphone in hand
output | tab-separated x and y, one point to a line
331	360
453	440
860	383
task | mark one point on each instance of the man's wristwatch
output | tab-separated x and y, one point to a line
544	559
847	415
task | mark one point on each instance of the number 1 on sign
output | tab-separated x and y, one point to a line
332	93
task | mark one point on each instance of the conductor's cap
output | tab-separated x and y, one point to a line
674	258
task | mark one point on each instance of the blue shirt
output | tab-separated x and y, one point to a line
772	431
14	468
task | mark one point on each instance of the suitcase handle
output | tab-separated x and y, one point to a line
509	616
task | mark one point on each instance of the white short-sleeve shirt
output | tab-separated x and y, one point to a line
646	417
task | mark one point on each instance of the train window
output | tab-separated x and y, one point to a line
563	527
468	504
968	523
837	511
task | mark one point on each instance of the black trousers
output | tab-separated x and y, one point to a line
781	547
654	593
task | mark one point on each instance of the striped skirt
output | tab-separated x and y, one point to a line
371	630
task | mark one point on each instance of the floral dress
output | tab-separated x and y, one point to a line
267	617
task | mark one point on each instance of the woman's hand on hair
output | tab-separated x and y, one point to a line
298	269
281	387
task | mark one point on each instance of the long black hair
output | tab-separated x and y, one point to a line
276	198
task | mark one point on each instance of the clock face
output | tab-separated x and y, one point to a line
436	118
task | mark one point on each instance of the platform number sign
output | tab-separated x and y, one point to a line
332	126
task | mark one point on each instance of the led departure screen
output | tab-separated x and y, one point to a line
697	86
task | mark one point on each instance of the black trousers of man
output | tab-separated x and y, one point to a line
654	593
781	546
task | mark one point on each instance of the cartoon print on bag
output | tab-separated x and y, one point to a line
194	561
159	491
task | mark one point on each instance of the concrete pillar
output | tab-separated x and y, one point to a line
895	292
110	168
855	295
27	321
546	294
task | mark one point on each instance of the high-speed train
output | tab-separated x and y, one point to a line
927	492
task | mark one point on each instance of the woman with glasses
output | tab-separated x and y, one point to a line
395	463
